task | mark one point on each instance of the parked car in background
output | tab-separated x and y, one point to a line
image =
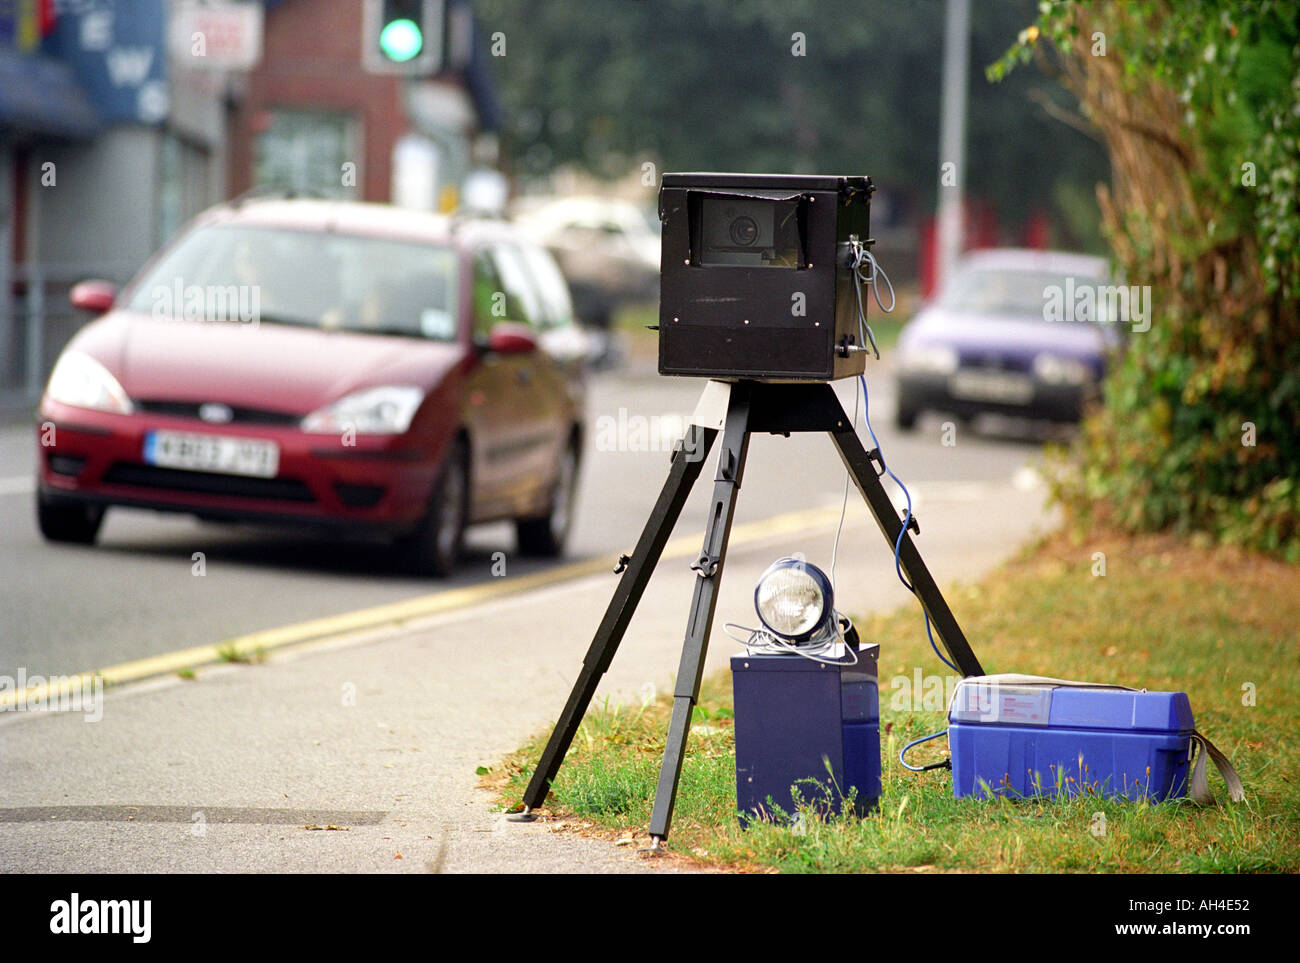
990	342
608	250
351	367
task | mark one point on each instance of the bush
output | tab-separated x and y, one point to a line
1199	427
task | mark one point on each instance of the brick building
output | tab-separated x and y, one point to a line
115	130
309	116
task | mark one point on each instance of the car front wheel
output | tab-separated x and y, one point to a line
77	524
435	547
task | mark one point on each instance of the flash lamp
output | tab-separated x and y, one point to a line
795	601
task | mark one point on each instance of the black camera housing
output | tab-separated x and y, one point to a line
756	277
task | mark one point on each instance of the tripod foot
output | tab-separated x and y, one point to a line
527	816
658	846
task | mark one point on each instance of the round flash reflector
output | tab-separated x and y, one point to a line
794	599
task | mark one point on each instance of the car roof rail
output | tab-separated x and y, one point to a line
463	216
265	192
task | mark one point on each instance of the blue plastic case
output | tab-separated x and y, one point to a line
1038	739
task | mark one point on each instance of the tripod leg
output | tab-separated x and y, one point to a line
859	464
731	465
688	459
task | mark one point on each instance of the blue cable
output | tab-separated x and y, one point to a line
907	520
946	764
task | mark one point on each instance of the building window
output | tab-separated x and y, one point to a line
312	151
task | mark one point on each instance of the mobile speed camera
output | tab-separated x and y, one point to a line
758	274
761	286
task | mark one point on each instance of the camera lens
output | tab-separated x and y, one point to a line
744	231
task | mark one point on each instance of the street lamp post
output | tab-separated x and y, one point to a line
952	134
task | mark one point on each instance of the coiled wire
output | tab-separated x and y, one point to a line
762	641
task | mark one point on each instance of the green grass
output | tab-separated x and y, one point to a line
233	655
1166	615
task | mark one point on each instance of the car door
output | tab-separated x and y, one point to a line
538	417
565	346
502	400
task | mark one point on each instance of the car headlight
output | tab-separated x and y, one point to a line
794	599
386	410
80	380
1061	371
933	358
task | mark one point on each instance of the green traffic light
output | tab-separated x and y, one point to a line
401	40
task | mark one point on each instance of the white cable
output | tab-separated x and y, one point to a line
860	256
844	503
762	639
863	256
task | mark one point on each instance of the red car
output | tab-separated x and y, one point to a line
348	366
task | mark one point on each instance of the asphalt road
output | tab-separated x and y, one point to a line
68	609
380	731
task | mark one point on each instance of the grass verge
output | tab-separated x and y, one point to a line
1216	623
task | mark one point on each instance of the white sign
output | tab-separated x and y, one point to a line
217	36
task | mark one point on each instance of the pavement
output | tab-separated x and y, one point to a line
357	753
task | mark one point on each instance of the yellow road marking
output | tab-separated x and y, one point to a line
393	613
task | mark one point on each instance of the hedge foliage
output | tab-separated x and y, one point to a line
1198	105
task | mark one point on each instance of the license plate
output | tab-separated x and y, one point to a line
216	453
1001	386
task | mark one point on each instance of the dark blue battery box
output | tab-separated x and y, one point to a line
809	725
1042	739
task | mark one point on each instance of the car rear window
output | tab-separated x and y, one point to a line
312	278
1010	292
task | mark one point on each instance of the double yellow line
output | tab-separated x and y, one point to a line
392	614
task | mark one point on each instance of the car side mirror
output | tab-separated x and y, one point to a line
511	337
96	296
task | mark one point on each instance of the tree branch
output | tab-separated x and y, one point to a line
1069	117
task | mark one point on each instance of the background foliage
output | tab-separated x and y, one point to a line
1195	102
1198	103
703	85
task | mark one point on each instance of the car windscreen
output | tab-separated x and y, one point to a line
313	278
1016	293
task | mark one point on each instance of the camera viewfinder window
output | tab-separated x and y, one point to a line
746	231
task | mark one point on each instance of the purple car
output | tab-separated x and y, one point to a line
1013	332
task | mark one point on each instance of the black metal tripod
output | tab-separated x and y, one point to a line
751	407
